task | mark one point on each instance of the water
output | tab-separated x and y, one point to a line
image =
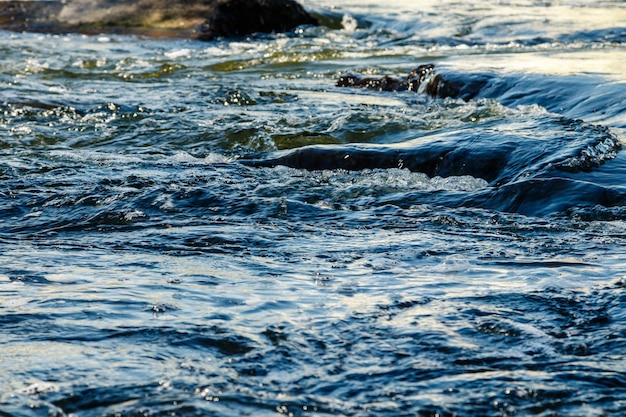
158	257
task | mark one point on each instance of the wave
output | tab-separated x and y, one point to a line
497	153
525	160
497	158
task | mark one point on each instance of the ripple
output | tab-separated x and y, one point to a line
149	267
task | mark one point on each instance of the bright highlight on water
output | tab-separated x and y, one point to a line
216	228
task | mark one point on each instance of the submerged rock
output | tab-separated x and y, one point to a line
200	19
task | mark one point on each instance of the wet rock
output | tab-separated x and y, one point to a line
241	17
412	82
423	79
200	19
435	159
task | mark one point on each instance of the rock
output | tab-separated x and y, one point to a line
423	79
412	82
199	19
242	17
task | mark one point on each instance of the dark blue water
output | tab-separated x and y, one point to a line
216	229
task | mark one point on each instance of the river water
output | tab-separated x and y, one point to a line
180	236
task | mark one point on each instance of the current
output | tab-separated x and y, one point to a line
217	229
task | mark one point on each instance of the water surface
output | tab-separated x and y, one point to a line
148	267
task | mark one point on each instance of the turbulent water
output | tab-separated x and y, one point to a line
216	229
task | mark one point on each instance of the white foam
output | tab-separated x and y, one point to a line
179	53
39	387
349	23
96	156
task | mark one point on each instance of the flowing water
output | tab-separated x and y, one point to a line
181	234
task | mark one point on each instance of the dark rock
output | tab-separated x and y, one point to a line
386	83
201	19
436	159
423	79
242	17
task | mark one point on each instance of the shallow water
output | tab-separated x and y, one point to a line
157	257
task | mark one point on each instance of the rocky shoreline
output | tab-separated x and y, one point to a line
196	19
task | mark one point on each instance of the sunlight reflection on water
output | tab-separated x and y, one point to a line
145	268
